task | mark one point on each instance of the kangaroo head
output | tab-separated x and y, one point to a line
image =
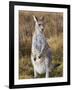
38	24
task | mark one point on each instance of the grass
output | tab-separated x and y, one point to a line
56	44
25	68
25	65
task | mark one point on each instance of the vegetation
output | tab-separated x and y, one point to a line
53	25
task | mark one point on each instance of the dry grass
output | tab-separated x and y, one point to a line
26	69
56	44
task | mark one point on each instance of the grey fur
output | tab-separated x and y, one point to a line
40	50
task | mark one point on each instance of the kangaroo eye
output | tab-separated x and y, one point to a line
39	24
34	59
39	56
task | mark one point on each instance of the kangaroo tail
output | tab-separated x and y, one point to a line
52	66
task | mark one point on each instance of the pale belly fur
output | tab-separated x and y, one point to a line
40	67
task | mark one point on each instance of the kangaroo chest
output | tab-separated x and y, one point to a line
38	40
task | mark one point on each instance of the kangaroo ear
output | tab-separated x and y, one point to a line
41	18
35	18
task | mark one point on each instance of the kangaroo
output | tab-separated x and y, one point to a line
41	52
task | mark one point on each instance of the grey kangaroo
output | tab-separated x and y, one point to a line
41	55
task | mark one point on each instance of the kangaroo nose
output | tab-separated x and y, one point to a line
42	28
34	59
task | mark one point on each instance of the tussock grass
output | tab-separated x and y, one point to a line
56	44
25	68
